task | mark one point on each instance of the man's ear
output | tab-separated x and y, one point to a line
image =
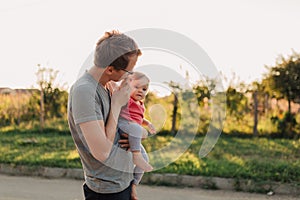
109	70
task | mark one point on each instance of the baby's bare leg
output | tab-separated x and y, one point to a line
140	162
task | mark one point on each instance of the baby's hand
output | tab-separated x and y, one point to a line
145	133
152	129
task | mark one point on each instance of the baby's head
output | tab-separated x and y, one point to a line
140	84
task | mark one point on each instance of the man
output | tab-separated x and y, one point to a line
93	112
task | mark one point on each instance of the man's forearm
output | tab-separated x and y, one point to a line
94	133
111	126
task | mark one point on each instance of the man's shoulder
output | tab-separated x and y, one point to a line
84	83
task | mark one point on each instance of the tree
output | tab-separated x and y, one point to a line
53	100
284	78
255	108
257	92
176	90
284	81
237	103
202	92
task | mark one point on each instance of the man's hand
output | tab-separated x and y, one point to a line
124	143
121	95
112	86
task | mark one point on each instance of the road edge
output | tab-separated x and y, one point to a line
176	180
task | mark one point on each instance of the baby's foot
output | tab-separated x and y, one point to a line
139	161
133	192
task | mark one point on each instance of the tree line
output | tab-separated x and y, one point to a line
249	109
30	105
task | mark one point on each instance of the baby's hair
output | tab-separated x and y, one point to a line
139	75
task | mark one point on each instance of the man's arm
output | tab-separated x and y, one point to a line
111	126
94	134
99	137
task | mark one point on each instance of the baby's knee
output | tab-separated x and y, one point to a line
136	130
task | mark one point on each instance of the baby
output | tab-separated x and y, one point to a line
131	121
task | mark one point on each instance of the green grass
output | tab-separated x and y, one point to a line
259	159
249	158
47	149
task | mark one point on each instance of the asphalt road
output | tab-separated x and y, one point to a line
35	188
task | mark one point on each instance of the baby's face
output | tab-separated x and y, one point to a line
139	89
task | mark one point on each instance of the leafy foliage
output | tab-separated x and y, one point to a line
24	105
237	103
286	125
284	78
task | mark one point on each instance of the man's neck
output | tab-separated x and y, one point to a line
98	74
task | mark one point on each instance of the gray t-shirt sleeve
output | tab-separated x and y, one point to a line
84	104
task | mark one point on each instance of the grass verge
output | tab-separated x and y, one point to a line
258	159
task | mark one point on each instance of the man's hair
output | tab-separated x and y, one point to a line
114	49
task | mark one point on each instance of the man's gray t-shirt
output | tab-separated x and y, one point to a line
90	101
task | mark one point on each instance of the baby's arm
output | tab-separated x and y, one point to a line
147	123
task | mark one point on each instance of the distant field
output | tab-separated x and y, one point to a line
258	159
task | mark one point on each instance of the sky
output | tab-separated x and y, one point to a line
240	36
